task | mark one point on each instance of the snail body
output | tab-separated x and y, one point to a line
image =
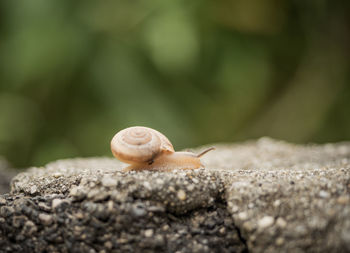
147	149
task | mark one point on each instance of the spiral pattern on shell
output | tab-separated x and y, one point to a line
139	145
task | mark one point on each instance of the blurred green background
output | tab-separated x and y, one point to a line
73	73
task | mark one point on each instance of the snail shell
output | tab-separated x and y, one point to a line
139	145
147	149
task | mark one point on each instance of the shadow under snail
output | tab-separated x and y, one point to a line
147	149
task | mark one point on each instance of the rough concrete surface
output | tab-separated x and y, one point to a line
259	196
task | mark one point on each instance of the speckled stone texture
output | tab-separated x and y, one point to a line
259	196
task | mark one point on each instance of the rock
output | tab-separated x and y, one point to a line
181	195
281	222
78	193
149	232
324	194
56	203
2	201
265	222
304	186
108	181
259	196
138	210
45	219
6	211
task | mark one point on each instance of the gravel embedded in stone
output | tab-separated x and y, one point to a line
324	194
45	219
149	233
56	203
280	222
181	195
108	181
265	222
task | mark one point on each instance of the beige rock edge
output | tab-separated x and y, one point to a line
282	197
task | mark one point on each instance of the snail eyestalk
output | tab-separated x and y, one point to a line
205	151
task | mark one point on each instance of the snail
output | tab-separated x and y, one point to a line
147	149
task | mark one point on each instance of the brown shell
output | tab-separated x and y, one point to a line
139	145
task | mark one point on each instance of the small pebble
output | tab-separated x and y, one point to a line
57	175
78	193
234	208
243	216
44	207
79	215
222	230
108	245
265	222
108	181
343	199
29	228
159	181
279	241
56	203
45	219
147	185
149	232
190	187
159	240
33	189
138	210
181	195
2	201
6	211
248	226
324	194
281	222
277	203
